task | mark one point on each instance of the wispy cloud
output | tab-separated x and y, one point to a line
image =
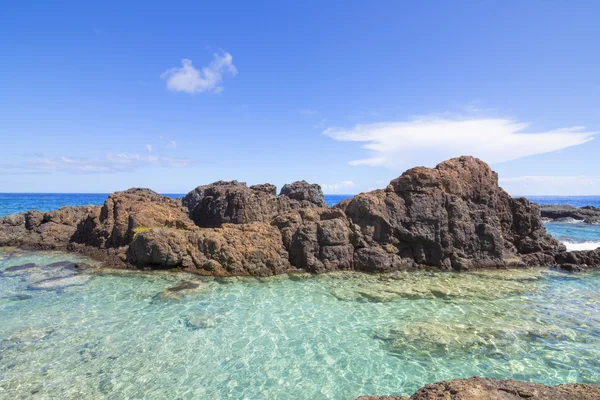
344	187
189	79
109	163
428	141
172	145
149	148
572	185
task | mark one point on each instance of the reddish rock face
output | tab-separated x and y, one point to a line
492	389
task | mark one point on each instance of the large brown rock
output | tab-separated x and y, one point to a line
126	213
493	389
452	216
250	249
234	202
317	240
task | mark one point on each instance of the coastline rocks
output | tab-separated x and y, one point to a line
565	213
477	388
451	217
234	202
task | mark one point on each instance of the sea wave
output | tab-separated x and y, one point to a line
571	246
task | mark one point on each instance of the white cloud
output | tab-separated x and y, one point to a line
427	141
189	79
149	148
340	187
575	185
172	145
112	162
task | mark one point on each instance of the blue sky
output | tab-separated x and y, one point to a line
105	96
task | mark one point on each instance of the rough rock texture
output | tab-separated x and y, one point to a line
453	216
48	231
233	202
558	212
317	240
492	389
249	249
126	213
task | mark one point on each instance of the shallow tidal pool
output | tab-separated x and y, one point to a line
69	335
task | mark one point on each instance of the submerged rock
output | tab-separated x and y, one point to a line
60	282
200	321
20	267
181	290
477	388
414	285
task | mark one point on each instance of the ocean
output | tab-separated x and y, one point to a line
333	336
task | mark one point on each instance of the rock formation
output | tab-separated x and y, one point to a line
493	389
453	216
222	202
560	213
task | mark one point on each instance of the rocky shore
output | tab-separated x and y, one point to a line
451	217
565	213
492	389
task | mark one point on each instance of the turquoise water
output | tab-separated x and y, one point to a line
327	337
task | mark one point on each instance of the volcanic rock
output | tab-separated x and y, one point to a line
559	212
477	388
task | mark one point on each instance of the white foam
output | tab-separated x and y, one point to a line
581	246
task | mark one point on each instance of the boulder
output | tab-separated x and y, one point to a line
125	214
317	240
453	216
250	249
477	388
234	202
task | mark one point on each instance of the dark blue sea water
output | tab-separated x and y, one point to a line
575	235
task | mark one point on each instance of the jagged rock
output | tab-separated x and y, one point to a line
303	191
250	249
477	388
318	240
452	216
160	247
43	231
222	202
124	214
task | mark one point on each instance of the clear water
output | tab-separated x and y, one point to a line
327	337
11	203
